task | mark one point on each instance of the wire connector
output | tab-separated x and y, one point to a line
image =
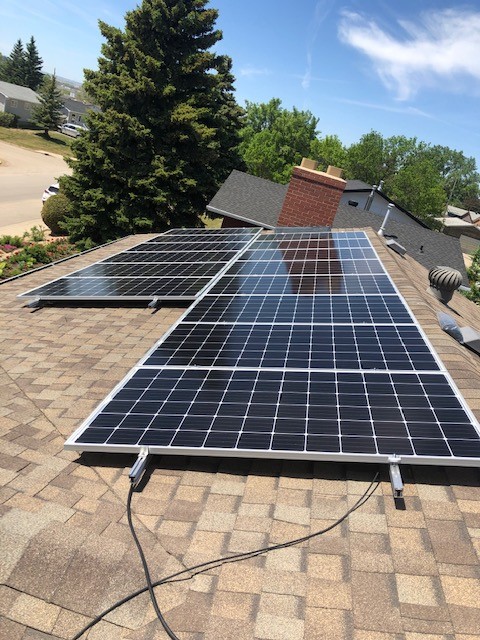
138	469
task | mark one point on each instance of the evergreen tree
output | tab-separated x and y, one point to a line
48	113
33	75
167	133
14	68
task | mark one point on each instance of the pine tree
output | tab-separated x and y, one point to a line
168	130
48	113
14	68
33	75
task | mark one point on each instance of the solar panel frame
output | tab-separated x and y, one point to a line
189	442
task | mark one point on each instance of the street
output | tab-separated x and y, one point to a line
24	175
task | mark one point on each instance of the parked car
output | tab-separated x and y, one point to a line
50	191
73	130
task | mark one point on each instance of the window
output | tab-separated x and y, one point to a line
13	103
28	106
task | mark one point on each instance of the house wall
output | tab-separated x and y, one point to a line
379	206
20	108
2	102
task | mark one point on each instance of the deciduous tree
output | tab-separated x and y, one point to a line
168	130
275	139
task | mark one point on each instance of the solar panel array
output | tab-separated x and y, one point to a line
302	349
177	265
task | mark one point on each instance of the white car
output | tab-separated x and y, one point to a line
72	130
50	191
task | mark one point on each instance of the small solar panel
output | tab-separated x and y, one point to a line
285	358
170	267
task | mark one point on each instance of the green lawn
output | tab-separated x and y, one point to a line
34	139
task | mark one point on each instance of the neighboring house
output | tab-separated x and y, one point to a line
244	199
17	100
75	111
464	214
357	193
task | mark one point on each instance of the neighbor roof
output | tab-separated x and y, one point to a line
79	107
67	553
17	92
259	202
250	199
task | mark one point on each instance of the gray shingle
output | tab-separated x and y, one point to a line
249	198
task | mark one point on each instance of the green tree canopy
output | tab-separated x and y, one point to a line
33	75
328	151
23	66
13	70
275	139
168	130
420	177
47	114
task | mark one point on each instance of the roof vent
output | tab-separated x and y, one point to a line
443	282
396	246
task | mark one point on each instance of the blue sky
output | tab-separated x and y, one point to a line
408	67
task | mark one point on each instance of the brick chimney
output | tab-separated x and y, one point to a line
312	197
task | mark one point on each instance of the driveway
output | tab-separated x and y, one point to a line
24	175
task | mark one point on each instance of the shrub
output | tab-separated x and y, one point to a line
54	211
15	241
8	119
36	234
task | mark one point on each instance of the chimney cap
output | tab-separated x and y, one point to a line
307	163
336	172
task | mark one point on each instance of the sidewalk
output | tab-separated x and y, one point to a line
19	228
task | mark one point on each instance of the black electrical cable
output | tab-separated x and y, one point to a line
210	564
146	571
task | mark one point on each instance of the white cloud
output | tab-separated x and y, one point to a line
322	9
250	71
410	111
441	47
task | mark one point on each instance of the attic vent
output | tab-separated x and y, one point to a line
396	246
443	282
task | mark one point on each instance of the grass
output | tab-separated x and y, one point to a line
34	139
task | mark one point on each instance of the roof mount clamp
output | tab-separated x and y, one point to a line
154	303
36	303
395	476
139	468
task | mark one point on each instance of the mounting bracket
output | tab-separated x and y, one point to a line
139	467
153	303
36	303
395	476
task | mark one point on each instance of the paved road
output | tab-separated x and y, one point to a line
24	175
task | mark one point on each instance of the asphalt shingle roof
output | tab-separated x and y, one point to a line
66	552
249	198
16	92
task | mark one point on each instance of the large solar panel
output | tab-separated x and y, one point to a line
177	265
286	358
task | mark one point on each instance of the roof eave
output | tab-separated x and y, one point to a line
257	223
